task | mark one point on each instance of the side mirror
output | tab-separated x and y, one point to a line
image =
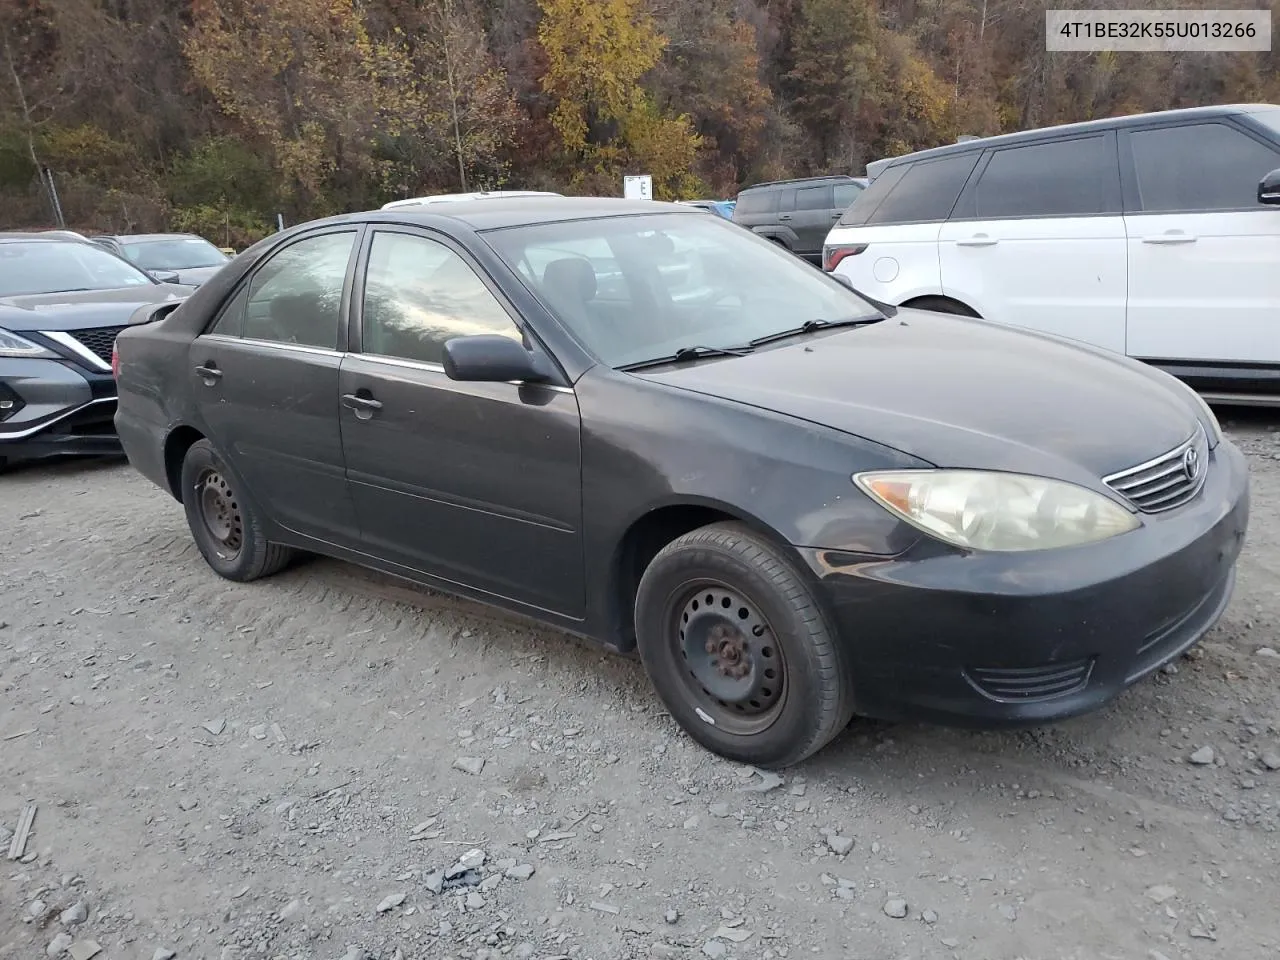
1269	188
493	358
166	276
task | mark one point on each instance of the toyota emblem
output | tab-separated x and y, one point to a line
1191	463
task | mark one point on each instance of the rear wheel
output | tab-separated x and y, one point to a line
226	526
738	649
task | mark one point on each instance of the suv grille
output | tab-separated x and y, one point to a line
99	340
1169	480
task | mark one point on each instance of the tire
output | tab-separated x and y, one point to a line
226	526
760	680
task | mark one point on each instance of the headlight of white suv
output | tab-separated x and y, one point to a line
12	345
997	511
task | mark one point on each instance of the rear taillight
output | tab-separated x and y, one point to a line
115	361
831	256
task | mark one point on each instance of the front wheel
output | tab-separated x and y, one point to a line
738	649
225	525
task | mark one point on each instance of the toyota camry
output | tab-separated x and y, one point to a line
644	425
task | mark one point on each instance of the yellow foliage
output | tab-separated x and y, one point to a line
302	74
597	52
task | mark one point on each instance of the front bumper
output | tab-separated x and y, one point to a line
55	408
1018	639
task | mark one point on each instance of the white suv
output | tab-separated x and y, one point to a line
1156	236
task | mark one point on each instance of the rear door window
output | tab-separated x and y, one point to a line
296	296
1059	179
814	198
1199	167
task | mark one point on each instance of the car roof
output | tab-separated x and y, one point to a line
773	184
462	197
877	167
148	237
42	236
493	214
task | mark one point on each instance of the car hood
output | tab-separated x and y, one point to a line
83	310
962	393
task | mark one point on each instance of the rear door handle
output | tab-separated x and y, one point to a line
1170	238
364	407
784	216
978	240
209	373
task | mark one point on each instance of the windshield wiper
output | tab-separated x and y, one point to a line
809	326
685	354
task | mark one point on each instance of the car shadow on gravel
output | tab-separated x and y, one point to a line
61	468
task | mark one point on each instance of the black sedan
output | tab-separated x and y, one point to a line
62	302
644	425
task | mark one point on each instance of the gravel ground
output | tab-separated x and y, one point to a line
330	764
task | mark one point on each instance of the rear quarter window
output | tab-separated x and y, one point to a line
920	192
756	202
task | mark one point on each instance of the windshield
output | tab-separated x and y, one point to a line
174	253
638	288
50	266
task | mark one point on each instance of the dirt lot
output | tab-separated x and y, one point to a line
285	769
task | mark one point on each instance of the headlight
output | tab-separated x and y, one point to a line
997	511
12	345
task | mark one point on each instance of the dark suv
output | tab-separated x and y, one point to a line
797	214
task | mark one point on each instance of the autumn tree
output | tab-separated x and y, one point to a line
303	76
835	73
462	122
711	70
597	51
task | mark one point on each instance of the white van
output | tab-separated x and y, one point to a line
1156	236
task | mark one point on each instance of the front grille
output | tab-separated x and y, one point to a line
99	340
1169	480
1027	684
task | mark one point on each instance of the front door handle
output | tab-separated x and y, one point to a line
209	373
1171	237
978	240
363	407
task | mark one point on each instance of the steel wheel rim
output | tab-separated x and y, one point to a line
729	659
220	512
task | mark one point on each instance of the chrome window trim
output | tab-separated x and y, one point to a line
67	341
276	344
32	431
431	367
372	357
